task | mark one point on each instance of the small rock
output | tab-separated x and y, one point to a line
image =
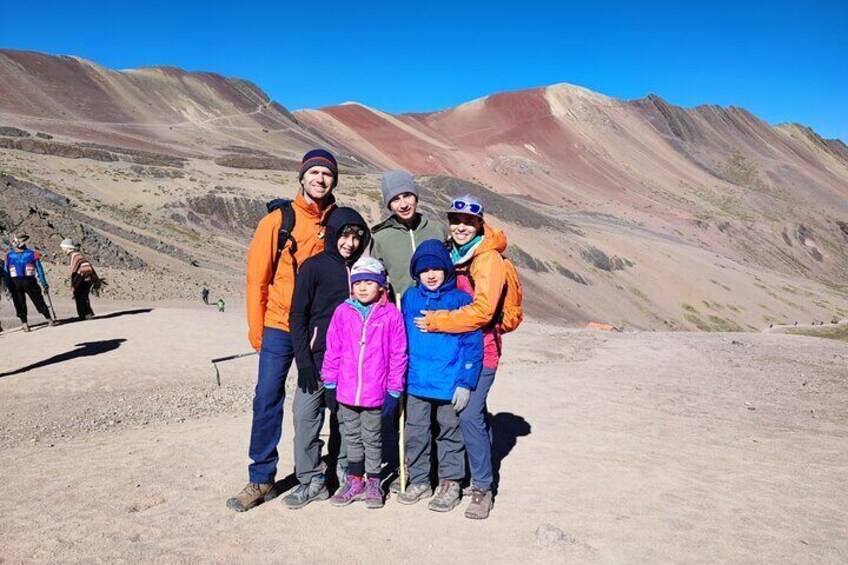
548	535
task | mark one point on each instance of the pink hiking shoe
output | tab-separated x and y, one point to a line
353	490
373	493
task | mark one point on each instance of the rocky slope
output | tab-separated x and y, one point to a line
639	214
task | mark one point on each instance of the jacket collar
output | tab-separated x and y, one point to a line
311	211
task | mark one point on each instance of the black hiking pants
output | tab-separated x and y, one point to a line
81	294
23	286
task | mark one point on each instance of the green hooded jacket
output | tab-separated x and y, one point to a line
393	243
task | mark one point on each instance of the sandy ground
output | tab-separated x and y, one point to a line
612	448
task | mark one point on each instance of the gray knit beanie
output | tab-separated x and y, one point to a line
395	183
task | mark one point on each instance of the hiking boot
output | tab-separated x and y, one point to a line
481	504
251	495
341	475
88	316
51	323
394	487
373	493
25	327
304	494
446	497
354	489
414	493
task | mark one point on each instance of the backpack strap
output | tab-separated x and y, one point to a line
284	236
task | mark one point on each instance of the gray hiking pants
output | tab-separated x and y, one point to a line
362	429
308	416
449	445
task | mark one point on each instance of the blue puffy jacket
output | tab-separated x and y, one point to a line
439	362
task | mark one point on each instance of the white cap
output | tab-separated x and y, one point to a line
67	243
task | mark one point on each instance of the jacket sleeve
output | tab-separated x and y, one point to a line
332	355
39	270
304	294
487	270
260	259
472	359
398	357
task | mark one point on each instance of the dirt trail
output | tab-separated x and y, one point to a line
612	448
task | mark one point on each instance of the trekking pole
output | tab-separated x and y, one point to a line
228	358
50	303
401	434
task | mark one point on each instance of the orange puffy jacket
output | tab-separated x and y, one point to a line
268	304
487	271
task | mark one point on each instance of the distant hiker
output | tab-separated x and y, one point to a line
393	242
395	238
220	305
204	295
271	270
322	285
476	249
23	266
83	279
443	370
363	370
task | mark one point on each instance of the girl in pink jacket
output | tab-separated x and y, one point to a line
364	367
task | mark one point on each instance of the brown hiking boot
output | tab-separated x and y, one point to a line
251	495
446	497
481	504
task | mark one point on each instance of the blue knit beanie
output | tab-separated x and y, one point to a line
431	254
319	158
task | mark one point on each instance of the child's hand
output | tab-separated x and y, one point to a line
460	398
421	321
390	406
330	400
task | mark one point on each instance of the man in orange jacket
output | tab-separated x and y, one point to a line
269	295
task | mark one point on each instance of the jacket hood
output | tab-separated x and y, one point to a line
493	240
434	255
340	218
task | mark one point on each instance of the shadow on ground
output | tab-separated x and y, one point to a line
86	349
506	429
108	316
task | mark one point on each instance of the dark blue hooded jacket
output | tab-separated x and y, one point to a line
322	283
438	362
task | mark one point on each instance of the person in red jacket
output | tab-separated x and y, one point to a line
269	296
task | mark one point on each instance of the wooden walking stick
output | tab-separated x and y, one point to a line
401	426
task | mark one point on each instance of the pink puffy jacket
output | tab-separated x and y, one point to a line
365	357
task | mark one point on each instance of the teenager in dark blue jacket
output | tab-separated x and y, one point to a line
323	282
443	369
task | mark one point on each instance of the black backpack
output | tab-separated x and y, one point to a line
284	205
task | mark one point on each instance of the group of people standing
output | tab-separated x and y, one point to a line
23	275
323	290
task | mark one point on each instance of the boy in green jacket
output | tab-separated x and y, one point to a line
395	239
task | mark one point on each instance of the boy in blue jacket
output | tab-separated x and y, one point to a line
443	370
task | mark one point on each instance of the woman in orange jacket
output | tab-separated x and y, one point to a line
476	249
270	285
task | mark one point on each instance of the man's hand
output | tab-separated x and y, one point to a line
421	321
46	289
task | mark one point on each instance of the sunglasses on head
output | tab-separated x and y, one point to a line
466	207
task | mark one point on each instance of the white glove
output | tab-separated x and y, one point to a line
460	399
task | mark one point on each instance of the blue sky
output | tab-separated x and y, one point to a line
784	61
